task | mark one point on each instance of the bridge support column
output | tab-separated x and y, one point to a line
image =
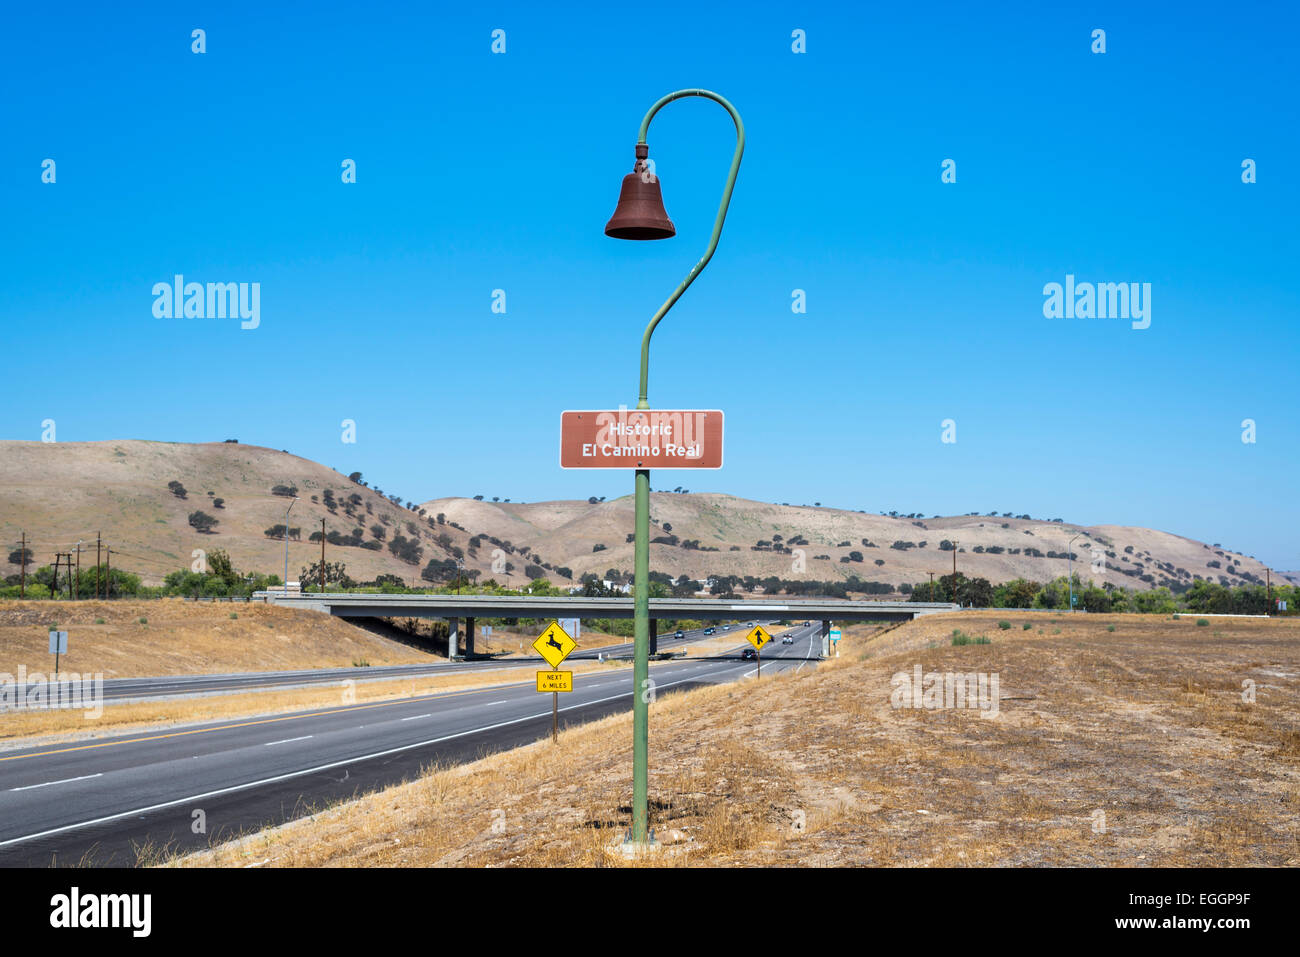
826	639
453	638
469	637
654	636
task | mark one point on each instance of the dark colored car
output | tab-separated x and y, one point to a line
749	654
708	631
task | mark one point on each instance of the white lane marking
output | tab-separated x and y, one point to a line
271	744
502	701
322	767
416	717
84	777
805	659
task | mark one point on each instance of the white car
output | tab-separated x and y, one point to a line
787	639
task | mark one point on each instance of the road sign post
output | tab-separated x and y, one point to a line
758	637
639	220
58	646
554	644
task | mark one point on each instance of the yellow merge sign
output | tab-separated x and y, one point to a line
758	637
555	681
554	644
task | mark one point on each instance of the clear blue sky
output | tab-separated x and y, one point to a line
479	172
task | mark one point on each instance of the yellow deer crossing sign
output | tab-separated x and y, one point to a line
554	644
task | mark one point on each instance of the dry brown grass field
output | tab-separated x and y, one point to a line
179	637
1130	746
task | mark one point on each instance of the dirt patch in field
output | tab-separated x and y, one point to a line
123	639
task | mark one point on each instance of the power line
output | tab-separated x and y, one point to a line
152	561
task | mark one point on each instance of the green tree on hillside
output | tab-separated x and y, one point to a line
202	522
336	573
220	566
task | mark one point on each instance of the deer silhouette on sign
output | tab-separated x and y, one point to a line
550	640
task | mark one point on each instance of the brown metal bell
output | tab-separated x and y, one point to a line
640	212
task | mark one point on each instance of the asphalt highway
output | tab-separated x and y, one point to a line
176	686
115	800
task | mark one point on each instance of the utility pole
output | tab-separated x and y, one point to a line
98	573
1069	568
22	561
954	557
322	554
1268	595
108	572
284	589
931	586
76	588
54	584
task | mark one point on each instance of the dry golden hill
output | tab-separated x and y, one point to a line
569	533
59	493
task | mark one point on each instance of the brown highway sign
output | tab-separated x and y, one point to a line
641	439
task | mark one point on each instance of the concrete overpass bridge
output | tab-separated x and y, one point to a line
454	608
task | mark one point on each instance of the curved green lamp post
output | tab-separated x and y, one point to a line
640	215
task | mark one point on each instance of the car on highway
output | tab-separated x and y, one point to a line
787	639
749	654
708	631
679	633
